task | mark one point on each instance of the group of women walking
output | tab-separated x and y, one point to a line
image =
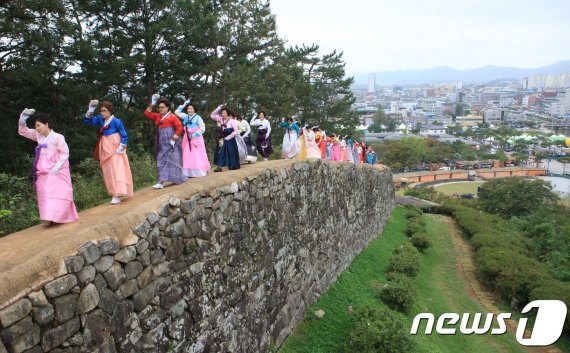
181	150
312	142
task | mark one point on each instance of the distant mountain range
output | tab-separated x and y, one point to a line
446	73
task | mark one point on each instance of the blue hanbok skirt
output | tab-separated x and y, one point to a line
227	155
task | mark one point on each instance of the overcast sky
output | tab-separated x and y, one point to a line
390	35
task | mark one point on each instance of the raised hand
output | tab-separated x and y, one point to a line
25	115
155	97
92	106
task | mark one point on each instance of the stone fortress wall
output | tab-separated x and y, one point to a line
227	263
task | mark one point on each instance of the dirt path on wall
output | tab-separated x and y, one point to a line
466	269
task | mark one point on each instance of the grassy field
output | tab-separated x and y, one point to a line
440	287
468	187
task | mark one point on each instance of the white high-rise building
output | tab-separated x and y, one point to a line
372	83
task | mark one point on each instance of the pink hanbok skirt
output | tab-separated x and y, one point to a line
343	154
54	192
115	167
336	152
195	161
313	150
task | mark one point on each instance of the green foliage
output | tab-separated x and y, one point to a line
382	123
18	205
504	257
420	241
413	211
415	227
548	231
416	219
549	289
399	293
379	331
515	196
406	152
405	260
56	56
425	193
89	187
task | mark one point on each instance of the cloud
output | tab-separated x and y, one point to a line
378	36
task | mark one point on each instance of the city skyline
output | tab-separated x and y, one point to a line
416	35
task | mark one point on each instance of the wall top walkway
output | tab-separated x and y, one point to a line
34	256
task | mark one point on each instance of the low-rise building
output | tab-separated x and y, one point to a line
469	120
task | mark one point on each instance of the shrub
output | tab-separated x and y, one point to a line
510	273
499	240
89	187
399	293
379	330
417	219
414	228
519	275
18	205
426	193
414	211
405	260
420	241
549	289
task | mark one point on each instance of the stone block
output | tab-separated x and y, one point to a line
108	246
74	263
16	330
15	312
96	330
88	299
174	216
156	256
127	289
107	301
90	252
152	218
133	269
164	210
65	307
144	297
54	337
100	282
38	298
115	276
104	263
126	254
87	274
141	246
24	342
43	315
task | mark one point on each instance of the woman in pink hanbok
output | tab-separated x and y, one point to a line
342	143
111	150
194	157
335	148
313	150
52	178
